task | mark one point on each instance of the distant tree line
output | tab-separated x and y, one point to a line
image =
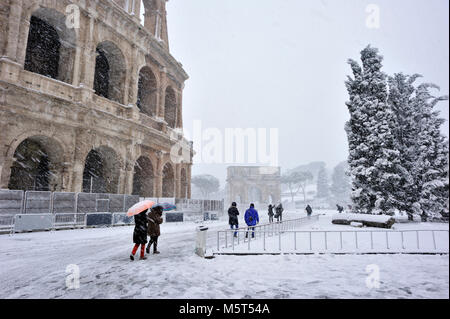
336	191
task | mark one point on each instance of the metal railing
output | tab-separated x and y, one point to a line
6	222
69	220
199	205
63	221
121	219
376	241
262	231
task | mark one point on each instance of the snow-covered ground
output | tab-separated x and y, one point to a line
33	265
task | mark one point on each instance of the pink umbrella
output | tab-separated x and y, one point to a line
140	207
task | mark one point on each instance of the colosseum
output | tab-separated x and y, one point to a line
91	99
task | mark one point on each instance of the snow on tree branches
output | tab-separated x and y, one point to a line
398	157
373	156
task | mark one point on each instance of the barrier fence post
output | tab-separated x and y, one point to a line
232	240
218	241
387	240
279	241
434	240
226	239
403	241
417	236
295	240
264	241
371	240
13	228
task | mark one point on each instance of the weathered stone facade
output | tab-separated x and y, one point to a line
95	108
254	184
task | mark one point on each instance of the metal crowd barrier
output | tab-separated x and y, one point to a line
385	242
69	221
6	223
264	230
199	205
122	219
34	222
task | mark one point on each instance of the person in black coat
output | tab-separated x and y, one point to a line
140	234
339	208
309	210
233	214
271	213
279	214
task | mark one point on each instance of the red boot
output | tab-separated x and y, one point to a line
143	252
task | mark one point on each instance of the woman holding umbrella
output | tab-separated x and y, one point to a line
140	234
139	211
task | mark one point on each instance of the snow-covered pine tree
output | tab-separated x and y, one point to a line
373	158
341	186
323	186
432	159
401	95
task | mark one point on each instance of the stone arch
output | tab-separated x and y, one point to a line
170	109
254	194
168	184
238	193
147	91
101	171
143	181
110	72
51	46
37	164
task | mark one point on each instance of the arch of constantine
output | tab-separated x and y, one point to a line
254	184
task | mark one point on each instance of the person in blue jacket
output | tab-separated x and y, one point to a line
251	219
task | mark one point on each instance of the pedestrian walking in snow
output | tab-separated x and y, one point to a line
279	213
339	208
309	210
154	220
251	219
271	214
233	214
140	234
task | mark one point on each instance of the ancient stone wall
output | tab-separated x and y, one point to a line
87	107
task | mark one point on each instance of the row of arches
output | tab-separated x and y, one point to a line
253	194
37	167
51	50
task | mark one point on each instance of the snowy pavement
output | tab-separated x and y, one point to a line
33	265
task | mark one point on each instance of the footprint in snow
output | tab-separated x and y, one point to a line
407	290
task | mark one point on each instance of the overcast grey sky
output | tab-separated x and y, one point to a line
282	63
